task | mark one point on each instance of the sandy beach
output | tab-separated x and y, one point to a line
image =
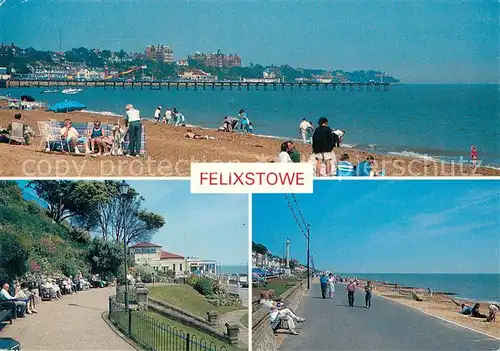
169	153
439	305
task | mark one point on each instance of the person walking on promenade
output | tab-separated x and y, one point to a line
324	285
331	286
368	294
351	288
133	118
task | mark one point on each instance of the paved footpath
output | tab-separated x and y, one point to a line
73	323
332	325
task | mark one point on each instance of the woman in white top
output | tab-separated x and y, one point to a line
331	286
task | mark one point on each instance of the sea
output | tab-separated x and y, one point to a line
484	287
434	122
237	269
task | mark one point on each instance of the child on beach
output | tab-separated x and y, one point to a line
344	167
118	131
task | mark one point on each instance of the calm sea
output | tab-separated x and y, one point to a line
473	286
438	121
241	269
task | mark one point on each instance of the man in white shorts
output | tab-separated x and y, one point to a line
322	146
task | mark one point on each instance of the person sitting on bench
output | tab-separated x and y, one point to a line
6	296
276	314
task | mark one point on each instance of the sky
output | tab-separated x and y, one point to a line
196	224
389	226
417	42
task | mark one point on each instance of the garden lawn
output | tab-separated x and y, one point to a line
278	285
188	299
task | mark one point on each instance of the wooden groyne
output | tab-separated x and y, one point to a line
177	85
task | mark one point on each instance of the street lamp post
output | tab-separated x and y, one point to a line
124	188
308	257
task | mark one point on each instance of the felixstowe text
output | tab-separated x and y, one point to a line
250	178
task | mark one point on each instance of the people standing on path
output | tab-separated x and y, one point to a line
368	294
331	286
304	130
133	119
324	285
351	288
322	146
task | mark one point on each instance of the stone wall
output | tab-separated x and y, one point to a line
187	318
263	338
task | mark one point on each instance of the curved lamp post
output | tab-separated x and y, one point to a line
124	188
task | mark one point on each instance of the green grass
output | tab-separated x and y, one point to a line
278	285
185	297
149	333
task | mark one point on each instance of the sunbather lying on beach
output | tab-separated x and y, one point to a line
475	312
191	135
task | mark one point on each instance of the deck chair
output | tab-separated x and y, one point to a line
16	133
48	136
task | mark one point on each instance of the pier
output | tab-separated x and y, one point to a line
187	85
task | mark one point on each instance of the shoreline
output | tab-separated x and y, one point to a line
410	154
439	305
169	153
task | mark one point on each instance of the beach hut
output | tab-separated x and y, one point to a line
67	106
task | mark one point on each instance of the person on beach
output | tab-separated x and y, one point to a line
304	130
167	117
338	136
351	288
331	286
118	131
324	285
466	310
473	155
244	121
292	151
27	131
72	137
191	135
365	168
158	114
229	124
368	294
283	156
475	312
179	118
344	167
133	119
97	138
493	310
250	128
322	146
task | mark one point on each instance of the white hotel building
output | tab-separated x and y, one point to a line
148	254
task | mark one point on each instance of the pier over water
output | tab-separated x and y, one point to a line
177	85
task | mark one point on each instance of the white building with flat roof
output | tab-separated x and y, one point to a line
202	266
148	254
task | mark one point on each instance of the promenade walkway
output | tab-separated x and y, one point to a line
73	323
332	325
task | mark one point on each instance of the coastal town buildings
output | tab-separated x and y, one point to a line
163	53
152	255
197	75
217	59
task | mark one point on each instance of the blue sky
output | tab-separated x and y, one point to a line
430	41
389	226
206	226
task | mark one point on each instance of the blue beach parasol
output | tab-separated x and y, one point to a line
67	106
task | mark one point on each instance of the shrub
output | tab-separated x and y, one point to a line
192	280
204	286
145	272
80	235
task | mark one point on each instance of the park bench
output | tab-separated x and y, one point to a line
6	315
